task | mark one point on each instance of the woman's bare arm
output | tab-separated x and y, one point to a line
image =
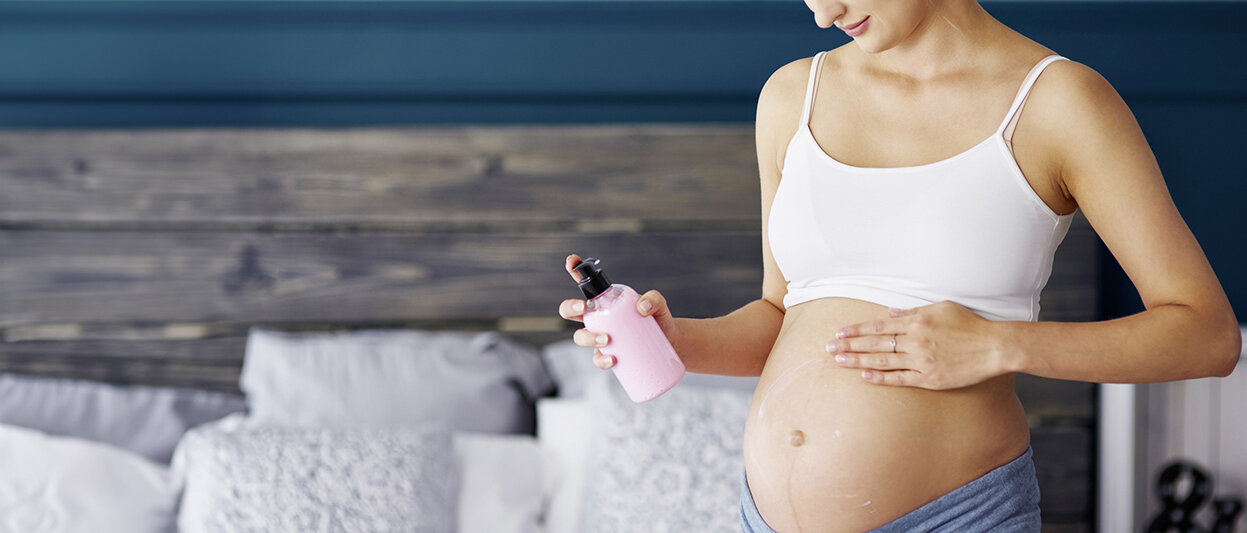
738	344
1105	165
1188	329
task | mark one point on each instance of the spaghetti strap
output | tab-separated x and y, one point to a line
811	86
1010	121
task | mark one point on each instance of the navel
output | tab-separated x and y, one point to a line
796	438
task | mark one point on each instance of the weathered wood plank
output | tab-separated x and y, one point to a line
414	179
153	372
69	277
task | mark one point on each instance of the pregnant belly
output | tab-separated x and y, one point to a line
826	451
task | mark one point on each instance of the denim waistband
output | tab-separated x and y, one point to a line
1006	500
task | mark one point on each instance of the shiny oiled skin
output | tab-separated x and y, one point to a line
866	454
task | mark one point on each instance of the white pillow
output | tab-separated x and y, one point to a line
70	485
500	483
480	382
268	479
563	431
668	465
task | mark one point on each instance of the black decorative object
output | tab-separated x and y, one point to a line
1178	515
1227	512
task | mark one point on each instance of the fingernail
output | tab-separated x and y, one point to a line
842	359
868	375
839	334
601	340
645	306
610	360
832	346
578	307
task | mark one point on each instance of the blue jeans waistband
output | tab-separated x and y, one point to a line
1006	500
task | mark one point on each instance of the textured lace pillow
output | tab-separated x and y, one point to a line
269	479
668	465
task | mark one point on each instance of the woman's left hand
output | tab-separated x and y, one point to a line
937	346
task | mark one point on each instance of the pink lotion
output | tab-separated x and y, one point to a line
645	363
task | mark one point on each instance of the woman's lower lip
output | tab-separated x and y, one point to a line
859	29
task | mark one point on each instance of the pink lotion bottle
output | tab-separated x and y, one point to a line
645	363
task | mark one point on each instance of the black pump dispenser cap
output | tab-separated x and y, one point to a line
592	280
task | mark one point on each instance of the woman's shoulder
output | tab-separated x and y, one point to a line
1073	115
788	83
1070	96
779	108
1062	87
781	99
1070	85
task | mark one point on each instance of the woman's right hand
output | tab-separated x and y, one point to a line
650	303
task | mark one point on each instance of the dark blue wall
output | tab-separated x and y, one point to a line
1180	66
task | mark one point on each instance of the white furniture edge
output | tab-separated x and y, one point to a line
1120	434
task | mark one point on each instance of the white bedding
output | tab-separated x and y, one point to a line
67	485
599	463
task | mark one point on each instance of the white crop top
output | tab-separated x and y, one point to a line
968	228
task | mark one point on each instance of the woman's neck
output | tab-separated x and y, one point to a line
949	41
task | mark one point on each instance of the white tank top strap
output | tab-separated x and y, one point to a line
811	86
1010	122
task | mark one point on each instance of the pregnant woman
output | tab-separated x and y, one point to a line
915	184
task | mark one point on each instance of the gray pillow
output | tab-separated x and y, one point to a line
479	382
571	367
143	419
275	479
671	464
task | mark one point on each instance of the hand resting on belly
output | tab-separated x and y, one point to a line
827	451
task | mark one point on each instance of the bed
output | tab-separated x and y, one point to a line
356	330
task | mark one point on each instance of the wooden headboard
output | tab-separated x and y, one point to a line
142	256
